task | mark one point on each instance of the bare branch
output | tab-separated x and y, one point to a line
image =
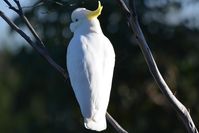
10	6
124	7
115	124
20	12
19	6
40	48
176	104
43	52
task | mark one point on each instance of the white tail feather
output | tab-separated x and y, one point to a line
92	124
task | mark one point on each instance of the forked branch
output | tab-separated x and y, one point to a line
20	12
131	16
42	51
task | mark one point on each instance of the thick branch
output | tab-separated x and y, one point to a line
176	104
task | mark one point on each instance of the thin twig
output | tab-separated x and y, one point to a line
115	124
19	11
43	51
32	30
10	6
124	7
176	104
19	6
21	14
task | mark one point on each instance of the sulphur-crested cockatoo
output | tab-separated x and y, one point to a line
90	63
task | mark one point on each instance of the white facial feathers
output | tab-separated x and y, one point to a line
85	18
80	20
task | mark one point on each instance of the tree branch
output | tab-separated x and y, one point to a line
42	51
115	124
138	34
19	11
40	48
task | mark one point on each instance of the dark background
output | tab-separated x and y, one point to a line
34	98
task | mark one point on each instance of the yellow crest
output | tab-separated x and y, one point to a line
95	13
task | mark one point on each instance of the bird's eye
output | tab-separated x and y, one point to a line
76	20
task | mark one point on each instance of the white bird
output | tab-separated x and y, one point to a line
90	63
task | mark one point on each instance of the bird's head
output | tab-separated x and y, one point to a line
82	15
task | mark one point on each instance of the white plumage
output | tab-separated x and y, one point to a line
90	64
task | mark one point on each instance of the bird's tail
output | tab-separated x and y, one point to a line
97	125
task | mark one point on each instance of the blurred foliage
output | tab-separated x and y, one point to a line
35	99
